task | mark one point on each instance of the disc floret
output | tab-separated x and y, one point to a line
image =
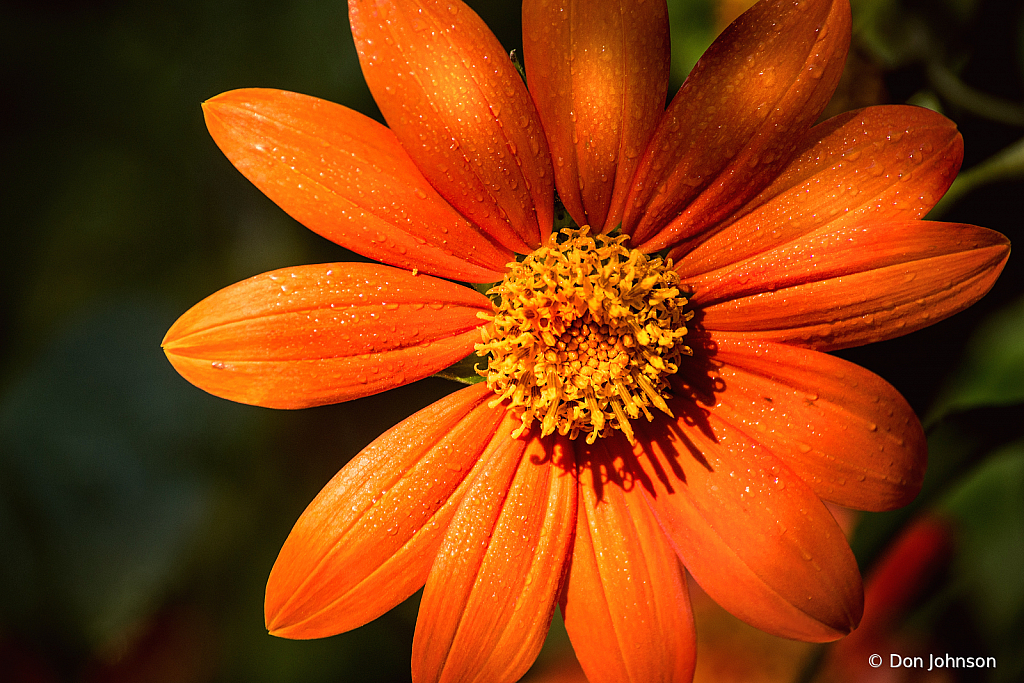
584	334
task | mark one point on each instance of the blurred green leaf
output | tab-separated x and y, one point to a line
927	99
1007	164
950	448
992	370
890	34
949	86
99	506
988	507
693	30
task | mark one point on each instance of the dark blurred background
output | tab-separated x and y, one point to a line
139	517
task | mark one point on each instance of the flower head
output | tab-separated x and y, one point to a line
638	413
583	336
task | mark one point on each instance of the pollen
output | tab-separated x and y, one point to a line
584	334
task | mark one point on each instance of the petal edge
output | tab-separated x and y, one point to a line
314	335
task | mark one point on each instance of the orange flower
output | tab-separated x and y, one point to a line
638	414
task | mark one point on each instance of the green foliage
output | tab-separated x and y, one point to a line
693	30
100	504
988	507
991	372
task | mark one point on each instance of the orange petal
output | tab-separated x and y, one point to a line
627	609
346	177
490	595
598	73
843	430
456	102
738	119
751	532
367	541
313	335
833	289
879	163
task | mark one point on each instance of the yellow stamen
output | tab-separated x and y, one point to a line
584	333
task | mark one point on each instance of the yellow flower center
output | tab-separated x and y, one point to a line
584	334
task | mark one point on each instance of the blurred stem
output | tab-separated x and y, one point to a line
959	93
1005	165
